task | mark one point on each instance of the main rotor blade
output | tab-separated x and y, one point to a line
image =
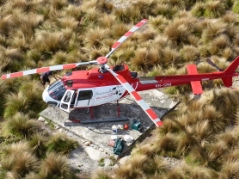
45	69
126	35
152	115
213	64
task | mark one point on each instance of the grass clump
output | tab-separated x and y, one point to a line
55	166
21	126
60	143
19	160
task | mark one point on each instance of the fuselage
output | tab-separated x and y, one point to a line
86	88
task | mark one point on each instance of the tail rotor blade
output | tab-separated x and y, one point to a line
152	115
125	36
213	64
45	69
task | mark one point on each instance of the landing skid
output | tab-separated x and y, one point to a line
100	119
75	121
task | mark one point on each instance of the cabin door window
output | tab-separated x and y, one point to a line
85	98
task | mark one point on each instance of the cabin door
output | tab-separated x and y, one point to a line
84	98
68	100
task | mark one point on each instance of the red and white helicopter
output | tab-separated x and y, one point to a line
97	86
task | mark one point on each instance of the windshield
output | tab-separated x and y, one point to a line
56	90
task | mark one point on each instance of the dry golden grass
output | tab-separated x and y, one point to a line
50	42
168	144
19	159
94	37
54	166
20	126
106	21
212	31
219	44
230	169
214	9
189	53
69	22
159	23
165	9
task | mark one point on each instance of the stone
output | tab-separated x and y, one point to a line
87	143
123	160
93	153
41	119
108	162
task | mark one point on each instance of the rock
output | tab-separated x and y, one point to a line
87	143
108	162
93	153
123	160
61	130
41	119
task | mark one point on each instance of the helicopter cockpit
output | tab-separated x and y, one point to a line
54	92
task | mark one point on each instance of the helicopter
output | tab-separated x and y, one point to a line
104	84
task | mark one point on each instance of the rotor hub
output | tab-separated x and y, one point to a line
102	60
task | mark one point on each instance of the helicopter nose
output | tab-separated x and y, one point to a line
45	96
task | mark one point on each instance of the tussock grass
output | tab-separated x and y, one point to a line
104	6
175	173
69	22
214	9
219	44
168	144
149	150
170	126
118	30
145	58
38	143
106	21
20	125
32	92
212	31
189	53
60	143
59	4
55	166
230	168
217	150
94	37
165	10
15	103
100	174
50	42
178	34
159	22
170	57
146	36
19	159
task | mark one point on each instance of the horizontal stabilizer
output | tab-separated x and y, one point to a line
227	81
196	85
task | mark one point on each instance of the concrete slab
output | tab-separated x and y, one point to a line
100	133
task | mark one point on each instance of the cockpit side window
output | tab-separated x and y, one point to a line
85	95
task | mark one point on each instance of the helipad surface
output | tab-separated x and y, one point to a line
101	133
